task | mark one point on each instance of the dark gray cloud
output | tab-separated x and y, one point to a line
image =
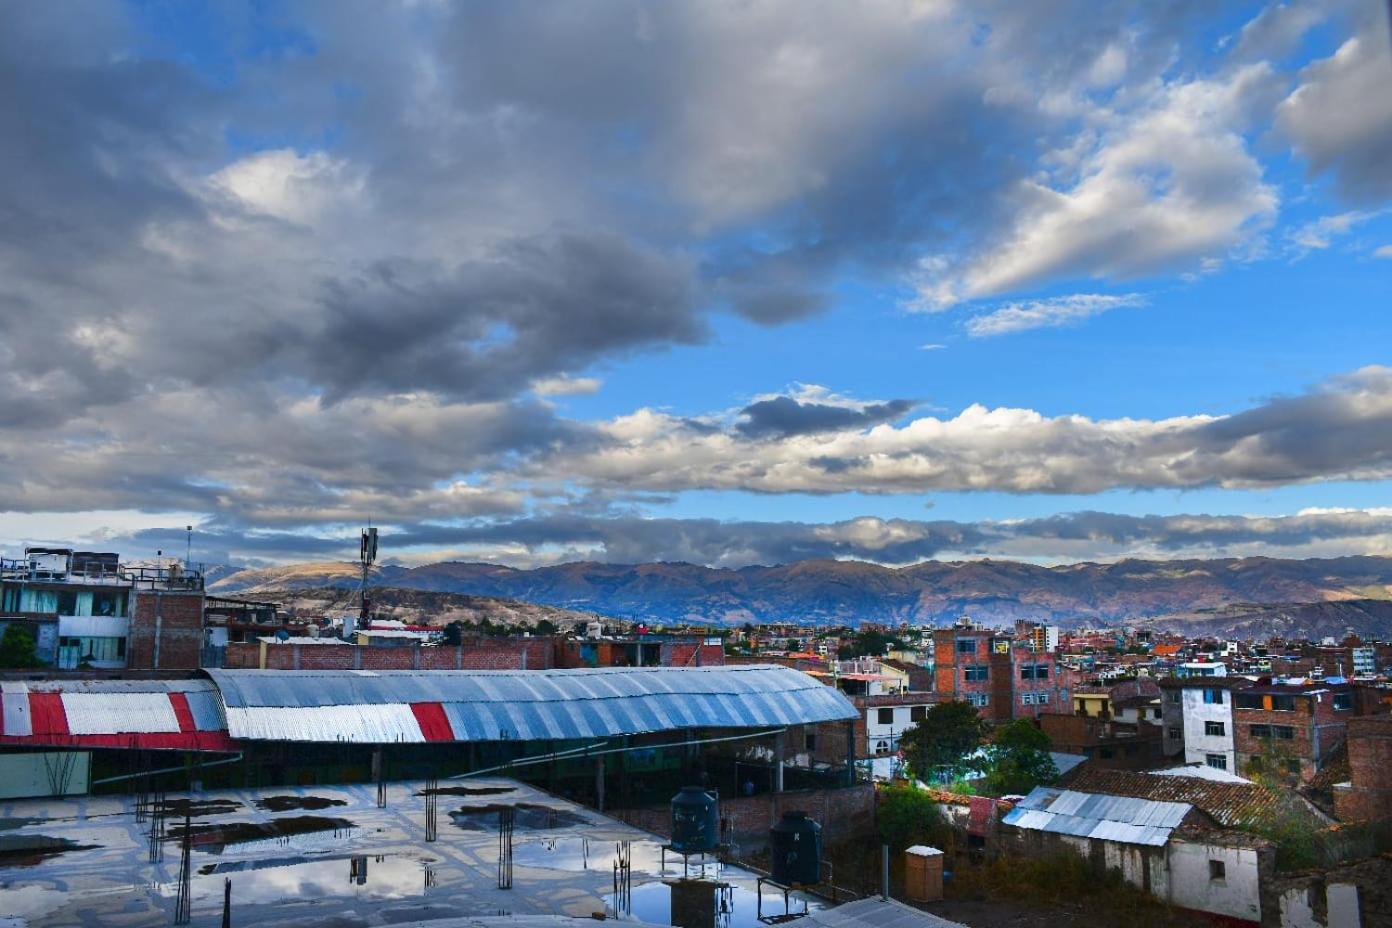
628	539
782	416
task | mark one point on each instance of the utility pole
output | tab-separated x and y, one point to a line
367	556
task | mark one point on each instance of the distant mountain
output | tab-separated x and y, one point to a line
1366	618
423	607
851	592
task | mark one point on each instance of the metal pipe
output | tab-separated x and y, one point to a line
142	773
884	872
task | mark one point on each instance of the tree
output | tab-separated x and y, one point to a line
1018	759
906	815
940	743
454	633
871	643
546	627
17	650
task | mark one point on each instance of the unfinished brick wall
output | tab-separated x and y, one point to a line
1369	795
477	654
166	630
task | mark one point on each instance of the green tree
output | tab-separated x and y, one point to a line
1018	759
906	815
454	633
872	643
940	743
545	627
17	650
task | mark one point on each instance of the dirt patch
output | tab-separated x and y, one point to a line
28	850
467	791
287	803
526	816
215	837
175	808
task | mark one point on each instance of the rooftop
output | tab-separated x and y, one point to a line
1095	815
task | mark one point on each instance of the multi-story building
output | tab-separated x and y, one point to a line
1292	729
1003	678
1198	718
95	612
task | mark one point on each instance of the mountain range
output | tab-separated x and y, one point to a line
851	592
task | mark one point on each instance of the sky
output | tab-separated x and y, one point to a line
723	282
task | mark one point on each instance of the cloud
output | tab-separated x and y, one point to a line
1341	429
1383	251
619	539
1049	312
566	386
931	346
782	416
1320	234
1160	185
1339	117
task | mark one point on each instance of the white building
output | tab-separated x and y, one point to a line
1364	662
884	726
1198	720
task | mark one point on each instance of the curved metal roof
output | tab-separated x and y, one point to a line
499	705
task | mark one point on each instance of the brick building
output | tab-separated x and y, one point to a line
1368	794
1108	744
1296	726
1003	678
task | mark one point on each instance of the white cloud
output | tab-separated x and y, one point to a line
1162	185
1383	251
289	186
566	386
1320	234
1050	312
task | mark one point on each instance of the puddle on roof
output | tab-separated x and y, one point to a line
178	808
214	838
708	904
527	817
29	850
575	854
287	803
9	824
468	791
292	879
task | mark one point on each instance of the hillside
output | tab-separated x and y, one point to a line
1366	618
423	607
850	592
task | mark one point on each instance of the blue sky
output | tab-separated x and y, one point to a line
732	284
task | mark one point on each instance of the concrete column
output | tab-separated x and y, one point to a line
778	762
850	752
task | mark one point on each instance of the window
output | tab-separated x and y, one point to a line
1157	712
810	743
979	699
1248	701
1174	697
1283	703
1343	702
1282	732
977	673
881	747
918	713
966	645
1217	870
1216	761
1259	731
108	603
885	717
67	602
1216	729
1213	697
1034	671
1176	733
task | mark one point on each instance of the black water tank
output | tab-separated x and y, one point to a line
797	850
695	821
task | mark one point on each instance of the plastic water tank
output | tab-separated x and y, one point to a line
796	842
695	821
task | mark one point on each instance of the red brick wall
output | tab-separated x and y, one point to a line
179	618
1370	764
1309	714
479	654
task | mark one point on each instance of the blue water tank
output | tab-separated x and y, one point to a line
796	843
695	821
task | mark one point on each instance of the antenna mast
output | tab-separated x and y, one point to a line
367	556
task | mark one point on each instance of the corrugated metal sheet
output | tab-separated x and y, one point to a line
14	709
877	913
493	705
118	713
1092	815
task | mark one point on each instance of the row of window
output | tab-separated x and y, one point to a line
916	714
1034	671
976	673
1034	699
1279	732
